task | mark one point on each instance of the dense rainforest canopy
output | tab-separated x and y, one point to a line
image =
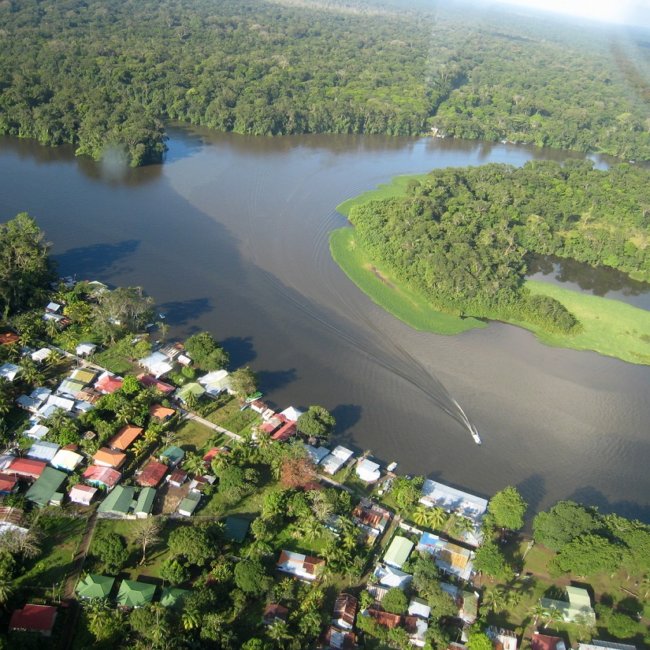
462	236
104	75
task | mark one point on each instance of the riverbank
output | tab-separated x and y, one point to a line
609	327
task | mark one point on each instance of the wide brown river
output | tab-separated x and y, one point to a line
230	234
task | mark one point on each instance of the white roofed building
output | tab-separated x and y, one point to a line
9	371
292	414
339	456
157	364
368	470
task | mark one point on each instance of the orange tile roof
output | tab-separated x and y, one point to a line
110	457
125	437
161	412
7	338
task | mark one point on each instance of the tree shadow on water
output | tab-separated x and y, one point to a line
240	349
89	261
591	496
269	380
181	312
346	416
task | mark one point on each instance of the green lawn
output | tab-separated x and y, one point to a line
61	537
113	360
382	288
156	554
610	327
194	436
396	187
230	417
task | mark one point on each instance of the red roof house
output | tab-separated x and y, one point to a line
33	618
545	642
345	611
26	467
109	458
125	437
285	432
152	473
9	338
385	618
149	380
102	476
8	483
108	383
274	612
161	412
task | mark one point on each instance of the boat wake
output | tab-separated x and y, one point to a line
466	421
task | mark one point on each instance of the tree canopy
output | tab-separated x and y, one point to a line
508	508
25	268
105	79
316	421
564	521
463	237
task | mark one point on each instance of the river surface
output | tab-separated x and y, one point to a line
230	234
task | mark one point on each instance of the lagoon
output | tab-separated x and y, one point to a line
230	234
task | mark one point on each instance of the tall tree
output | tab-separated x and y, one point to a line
508	508
25	268
316	421
148	533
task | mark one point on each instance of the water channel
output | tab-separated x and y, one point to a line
230	234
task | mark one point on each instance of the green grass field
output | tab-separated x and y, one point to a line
397	187
610	327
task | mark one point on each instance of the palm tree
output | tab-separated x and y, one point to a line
437	518
6	590
279	632
494	600
190	619
163	328
309	624
30	373
311	528
139	447
552	616
421	515
537	611
459	526
194	464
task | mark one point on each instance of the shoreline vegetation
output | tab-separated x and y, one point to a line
253	544
609	327
107	82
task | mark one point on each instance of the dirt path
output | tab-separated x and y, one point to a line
80	557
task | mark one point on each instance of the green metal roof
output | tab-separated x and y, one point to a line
118	501
145	501
174	454
189	503
46	486
578	597
173	597
135	594
95	586
398	551
236	528
192	388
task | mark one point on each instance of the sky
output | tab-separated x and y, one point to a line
631	12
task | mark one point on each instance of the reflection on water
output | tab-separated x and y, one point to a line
599	281
230	234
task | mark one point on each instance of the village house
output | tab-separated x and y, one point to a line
578	606
43	450
466	601
339	456
85	349
345	611
151	474
33	618
502	639
172	456
605	645
371	518
456	501
108	383
274	612
112	458
119	502
216	382
301	566
545	642
26	468
188	505
133	593
9	371
66	460
160	412
102	477
45	490
339	639
398	552
449	557
8	484
125	437
82	494
94	586
367	470
149	381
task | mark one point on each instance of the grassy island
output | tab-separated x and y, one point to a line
373	257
